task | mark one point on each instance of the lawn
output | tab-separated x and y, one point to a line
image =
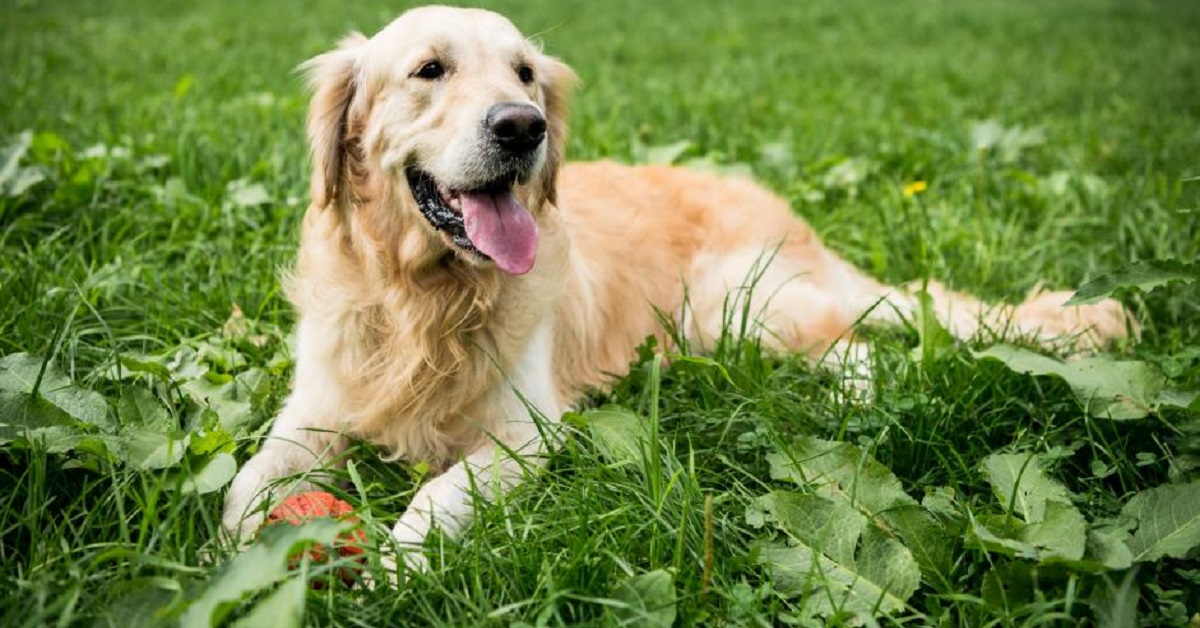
153	174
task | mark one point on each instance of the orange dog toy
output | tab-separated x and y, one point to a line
316	504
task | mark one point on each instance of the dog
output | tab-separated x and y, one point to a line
456	278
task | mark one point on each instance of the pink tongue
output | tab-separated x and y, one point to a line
502	229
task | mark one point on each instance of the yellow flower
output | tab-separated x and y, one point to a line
915	188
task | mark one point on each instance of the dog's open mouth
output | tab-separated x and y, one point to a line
488	222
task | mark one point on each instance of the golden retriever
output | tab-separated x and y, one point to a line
454	273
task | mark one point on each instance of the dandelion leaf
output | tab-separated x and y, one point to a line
1145	275
1168	521
835	559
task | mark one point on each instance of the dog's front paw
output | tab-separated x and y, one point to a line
238	529
243	514
387	574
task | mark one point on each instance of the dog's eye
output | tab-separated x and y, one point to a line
525	73
430	71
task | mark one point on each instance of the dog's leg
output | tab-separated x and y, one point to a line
1042	317
303	438
292	447
810	302
763	293
447	500
756	292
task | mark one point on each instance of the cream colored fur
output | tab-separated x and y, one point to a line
405	341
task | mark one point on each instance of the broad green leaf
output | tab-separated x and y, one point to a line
1107	550
999	534
233	400
837	561
212	475
21	412
933	339
26	420
1060	539
619	434
648	600
1061	534
939	501
756	516
232	410
222	354
283	608
840	471
60	416
1009	585
925	536
258	568
1107	388
1168	521
19	373
143	364
888	564
843	473
1182	399
139	407
1050	528
1022	486
678	358
186	363
832	527
1145	276
206	441
147	449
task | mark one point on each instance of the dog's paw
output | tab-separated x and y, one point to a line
386	576
241	530
1080	328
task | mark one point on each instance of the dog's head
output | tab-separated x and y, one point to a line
453	116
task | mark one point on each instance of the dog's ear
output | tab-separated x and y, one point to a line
557	81
333	78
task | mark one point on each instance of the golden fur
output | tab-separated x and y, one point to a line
406	341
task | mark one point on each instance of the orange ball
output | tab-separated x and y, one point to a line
316	504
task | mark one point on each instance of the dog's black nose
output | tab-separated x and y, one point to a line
516	127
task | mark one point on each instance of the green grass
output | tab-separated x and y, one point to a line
145	250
